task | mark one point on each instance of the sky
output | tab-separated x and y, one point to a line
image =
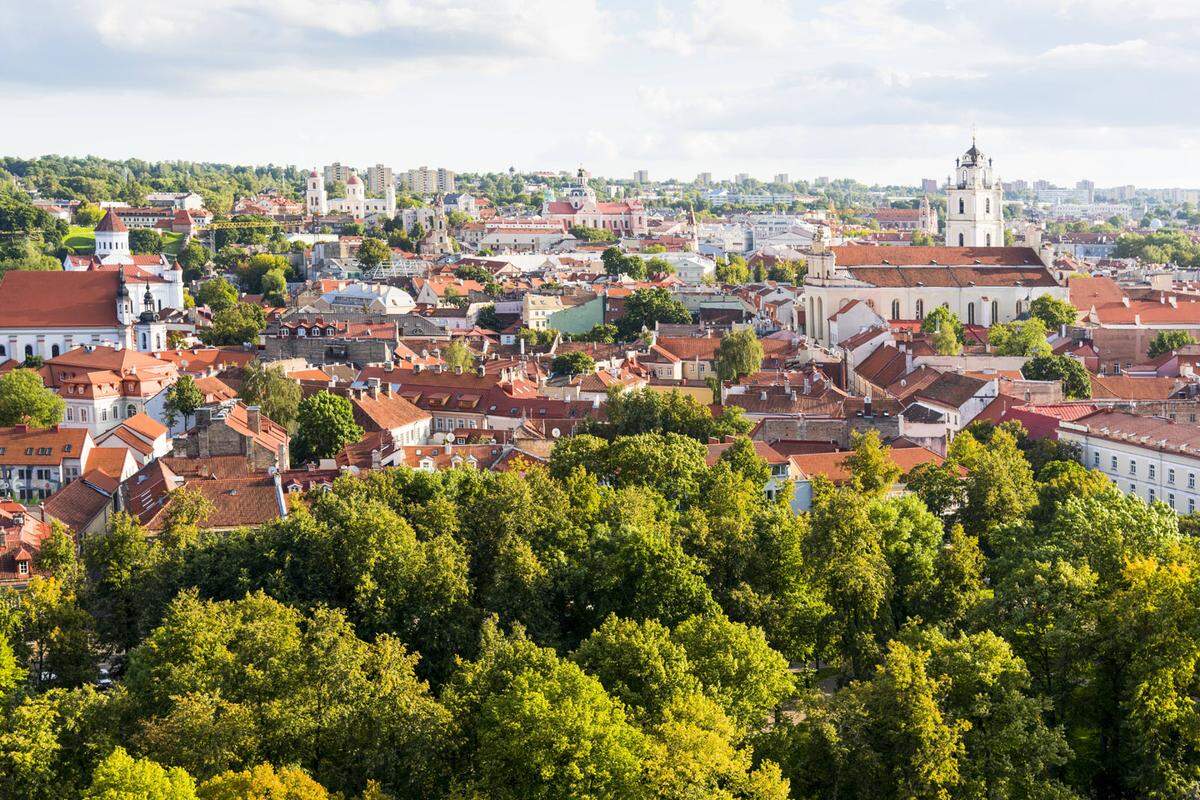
886	91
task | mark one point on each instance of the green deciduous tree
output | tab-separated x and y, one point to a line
373	252
645	308
326	426
272	390
183	398
145	240
1166	341
1076	383
194	258
575	362
458	355
122	777
740	353
25	400
1053	312
218	294
942	318
1027	338
238	324
872	470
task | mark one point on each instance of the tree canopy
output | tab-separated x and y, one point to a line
25	400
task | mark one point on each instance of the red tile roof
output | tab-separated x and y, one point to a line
833	467
58	299
47	446
853	255
111	223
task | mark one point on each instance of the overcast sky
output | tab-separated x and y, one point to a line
880	90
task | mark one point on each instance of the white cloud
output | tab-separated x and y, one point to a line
717	25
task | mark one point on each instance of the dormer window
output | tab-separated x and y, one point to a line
23	567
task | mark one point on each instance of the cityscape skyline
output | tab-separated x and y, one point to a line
878	91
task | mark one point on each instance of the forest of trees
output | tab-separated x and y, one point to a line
94	179
624	622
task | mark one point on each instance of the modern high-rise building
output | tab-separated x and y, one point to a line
704	178
1088	187
641	176
929	185
782	177
741	177
337	173
379	178
424	180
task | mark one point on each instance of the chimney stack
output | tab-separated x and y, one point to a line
254	418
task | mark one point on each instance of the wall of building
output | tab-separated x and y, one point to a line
1148	473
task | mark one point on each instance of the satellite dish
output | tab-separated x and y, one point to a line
449	437
555	432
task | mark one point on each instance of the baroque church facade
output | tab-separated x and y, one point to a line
974	275
356	203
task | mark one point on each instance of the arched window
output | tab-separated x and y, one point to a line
895	309
920	309
29	351
995	311
970	313
1018	308
962	206
54	351
130	410
961	240
987	206
989	240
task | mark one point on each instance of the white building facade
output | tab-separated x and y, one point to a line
1150	457
355	203
982	286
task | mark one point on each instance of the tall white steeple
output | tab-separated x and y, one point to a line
974	214
318	203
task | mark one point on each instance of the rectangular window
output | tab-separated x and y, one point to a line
1191	505
1096	459
1191	480
1132	467
1114	463
1171	476
23	567
1151	495
1171	501
1152	468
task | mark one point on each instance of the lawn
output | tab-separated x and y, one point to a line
172	242
80	239
83	240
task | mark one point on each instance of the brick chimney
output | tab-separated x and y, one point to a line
254	418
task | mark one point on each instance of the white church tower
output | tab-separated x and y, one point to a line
356	196
974	216
112	239
318	203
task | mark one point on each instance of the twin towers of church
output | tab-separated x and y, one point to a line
974	212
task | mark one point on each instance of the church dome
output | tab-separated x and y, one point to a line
973	156
353	179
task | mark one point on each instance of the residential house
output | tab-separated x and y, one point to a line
35	463
234	429
103	385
